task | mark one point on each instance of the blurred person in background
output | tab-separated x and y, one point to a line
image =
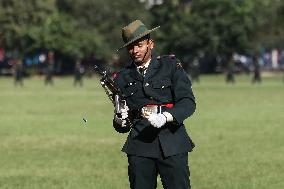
18	72
256	69
230	78
49	69
282	62
159	98
195	69
78	73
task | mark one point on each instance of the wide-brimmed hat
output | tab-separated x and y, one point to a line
134	31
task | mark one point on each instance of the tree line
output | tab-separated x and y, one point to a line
85	28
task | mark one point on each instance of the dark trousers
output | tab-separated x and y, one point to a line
173	170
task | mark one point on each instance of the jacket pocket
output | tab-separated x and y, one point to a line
161	84
162	90
130	89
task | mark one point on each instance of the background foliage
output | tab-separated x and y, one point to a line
93	27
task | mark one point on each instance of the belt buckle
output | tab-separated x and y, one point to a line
148	110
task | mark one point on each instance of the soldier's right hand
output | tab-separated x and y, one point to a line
124	112
121	116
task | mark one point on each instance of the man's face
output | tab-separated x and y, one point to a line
140	50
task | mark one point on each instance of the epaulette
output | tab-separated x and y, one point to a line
115	74
172	57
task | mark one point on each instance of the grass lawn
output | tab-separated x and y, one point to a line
44	143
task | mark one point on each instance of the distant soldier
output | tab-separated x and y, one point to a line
282	62
256	70
78	73
18	72
194	70
230	78
49	68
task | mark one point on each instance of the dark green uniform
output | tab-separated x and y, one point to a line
163	150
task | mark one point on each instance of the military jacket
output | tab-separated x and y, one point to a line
164	82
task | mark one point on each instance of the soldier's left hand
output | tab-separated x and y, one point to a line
157	120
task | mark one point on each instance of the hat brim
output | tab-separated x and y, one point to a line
138	37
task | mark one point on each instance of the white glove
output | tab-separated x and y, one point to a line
124	114
160	119
157	120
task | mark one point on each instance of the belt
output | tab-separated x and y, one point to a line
170	105
154	108
148	109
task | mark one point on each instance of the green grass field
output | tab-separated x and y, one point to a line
44	143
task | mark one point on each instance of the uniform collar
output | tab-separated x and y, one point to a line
152	68
153	64
146	64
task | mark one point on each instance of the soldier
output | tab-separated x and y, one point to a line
78	73
194	69
230	78
159	98
49	68
18	72
256	70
